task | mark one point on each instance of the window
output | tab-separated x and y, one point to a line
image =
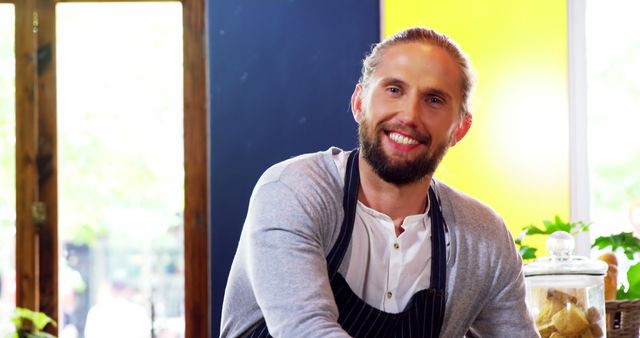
7	166
613	98
55	214
120	165
604	94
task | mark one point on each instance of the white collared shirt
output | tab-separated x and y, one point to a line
386	270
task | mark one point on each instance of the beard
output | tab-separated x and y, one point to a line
401	173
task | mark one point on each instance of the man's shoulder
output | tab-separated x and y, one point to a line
311	168
471	219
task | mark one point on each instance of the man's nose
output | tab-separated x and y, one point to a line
411	110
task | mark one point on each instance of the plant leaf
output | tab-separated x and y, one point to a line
533	230
560	225
625	240
17	321
633	277
40	320
527	252
621	293
579	227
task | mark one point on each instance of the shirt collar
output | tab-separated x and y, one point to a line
409	221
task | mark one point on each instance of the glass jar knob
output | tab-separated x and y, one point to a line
560	245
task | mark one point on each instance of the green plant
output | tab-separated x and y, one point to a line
29	324
630	245
548	227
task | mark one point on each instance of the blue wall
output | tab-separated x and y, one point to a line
282	74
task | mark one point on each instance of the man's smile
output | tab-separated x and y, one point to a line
402	139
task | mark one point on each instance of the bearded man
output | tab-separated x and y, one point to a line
366	243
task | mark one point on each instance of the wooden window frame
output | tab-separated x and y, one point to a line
36	160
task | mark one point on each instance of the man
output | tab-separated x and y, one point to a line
366	243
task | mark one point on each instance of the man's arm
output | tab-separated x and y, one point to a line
286	261
506	314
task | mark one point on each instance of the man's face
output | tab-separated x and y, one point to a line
409	112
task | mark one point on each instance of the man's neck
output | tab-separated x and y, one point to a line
395	201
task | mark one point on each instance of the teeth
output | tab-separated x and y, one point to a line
399	138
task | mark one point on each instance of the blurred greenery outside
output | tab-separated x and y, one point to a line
613	98
7	160
120	150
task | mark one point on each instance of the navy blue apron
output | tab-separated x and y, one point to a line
424	314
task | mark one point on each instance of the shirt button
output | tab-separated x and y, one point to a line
389	294
396	246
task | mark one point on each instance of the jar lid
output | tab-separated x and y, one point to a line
561	262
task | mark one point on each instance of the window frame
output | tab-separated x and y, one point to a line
579	192
36	161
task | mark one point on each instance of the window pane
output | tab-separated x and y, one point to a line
121	194
613	98
7	167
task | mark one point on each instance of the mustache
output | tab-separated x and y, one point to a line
411	132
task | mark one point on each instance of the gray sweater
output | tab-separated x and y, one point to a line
295	213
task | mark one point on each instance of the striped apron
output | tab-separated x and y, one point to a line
424	314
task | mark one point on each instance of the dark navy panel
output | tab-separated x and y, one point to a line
282	74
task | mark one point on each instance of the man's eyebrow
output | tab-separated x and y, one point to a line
392	81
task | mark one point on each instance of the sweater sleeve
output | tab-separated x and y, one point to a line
505	314
285	259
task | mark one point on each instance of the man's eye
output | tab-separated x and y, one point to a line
435	100
393	90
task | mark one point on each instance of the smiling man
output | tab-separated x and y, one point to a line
366	243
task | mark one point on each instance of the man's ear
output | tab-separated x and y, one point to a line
462	129
356	102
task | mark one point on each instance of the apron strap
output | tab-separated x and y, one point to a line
438	243
349	202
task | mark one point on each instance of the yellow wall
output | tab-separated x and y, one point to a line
516	156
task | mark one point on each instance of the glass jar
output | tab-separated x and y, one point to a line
565	293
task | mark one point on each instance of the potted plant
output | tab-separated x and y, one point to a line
30	324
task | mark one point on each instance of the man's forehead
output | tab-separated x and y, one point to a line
416	53
419	62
